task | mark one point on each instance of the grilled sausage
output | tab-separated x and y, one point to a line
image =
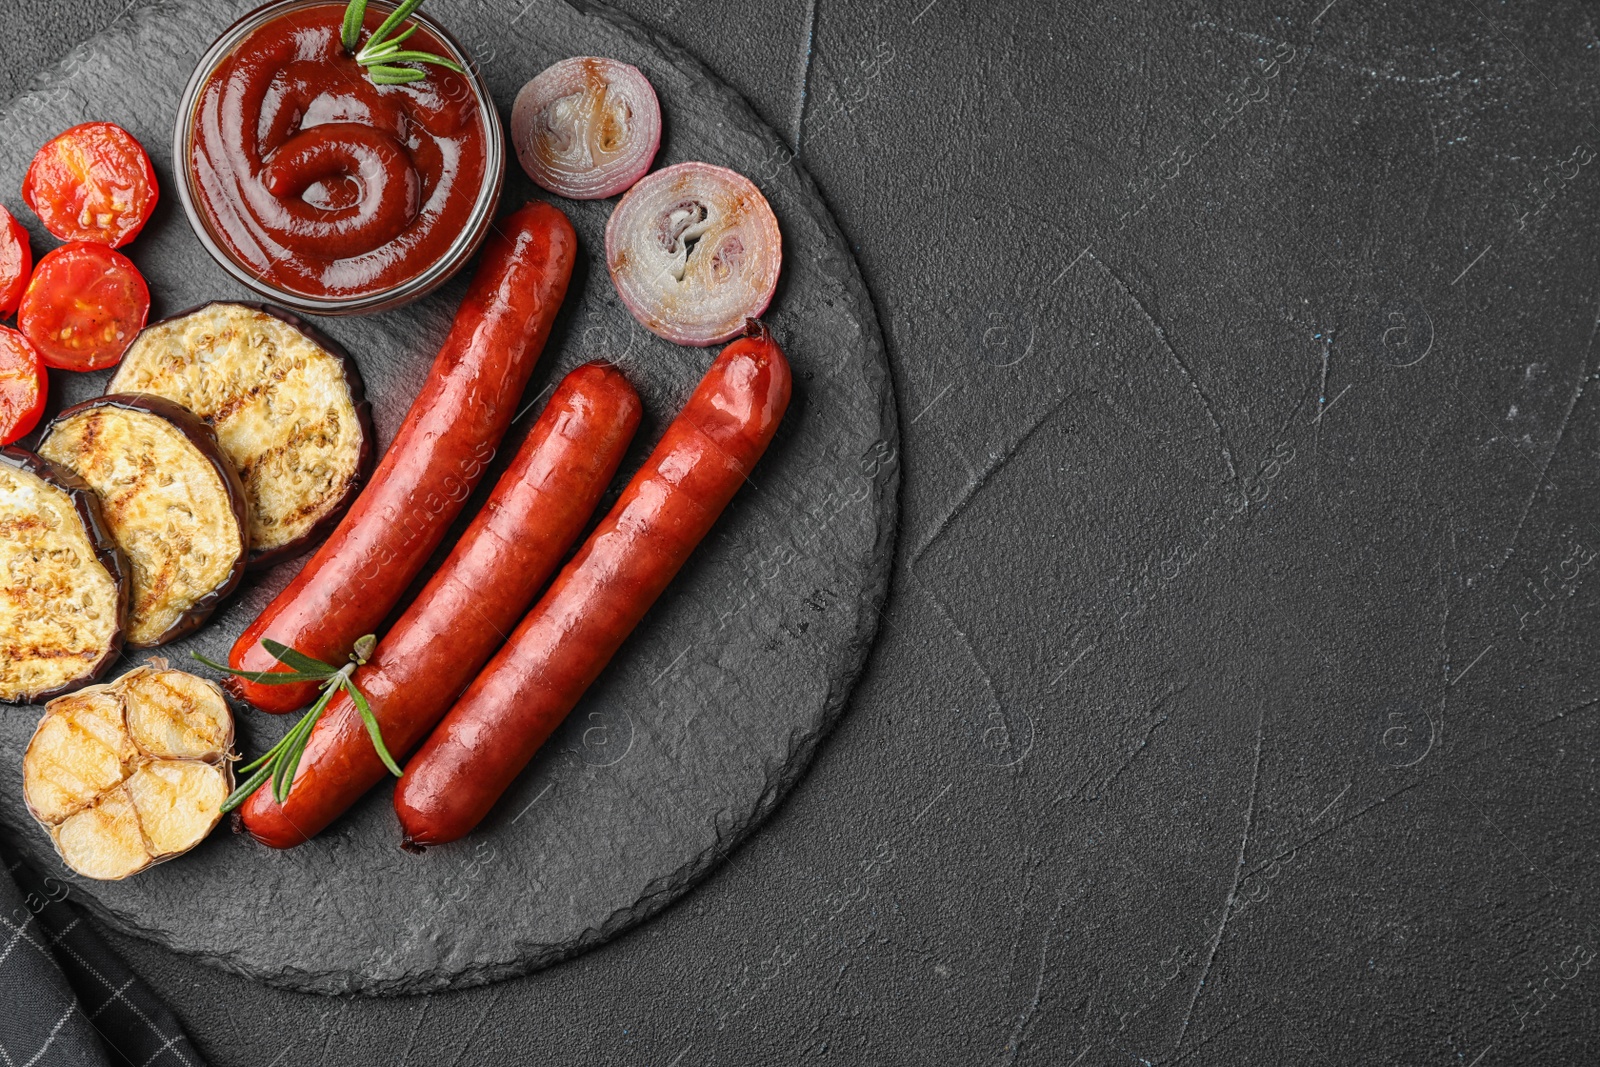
439	455
496	727
539	507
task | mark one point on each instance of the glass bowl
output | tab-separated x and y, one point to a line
427	279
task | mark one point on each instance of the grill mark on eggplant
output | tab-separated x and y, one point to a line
225	411
260	470
40	652
162	480
221	360
63	582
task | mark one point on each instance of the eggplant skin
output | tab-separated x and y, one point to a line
287	404
171	499
63	616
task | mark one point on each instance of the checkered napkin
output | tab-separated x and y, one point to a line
65	998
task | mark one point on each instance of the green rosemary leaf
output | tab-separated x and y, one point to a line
266	757
280	762
298	660
399	38
376	734
288	760
292	757
257	763
424	57
382	51
395	75
242	794
396	17
262	677
376	52
350	32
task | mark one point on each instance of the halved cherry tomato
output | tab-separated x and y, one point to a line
16	262
23	386
92	183
84	306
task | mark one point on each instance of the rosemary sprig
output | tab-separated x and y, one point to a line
280	762
383	52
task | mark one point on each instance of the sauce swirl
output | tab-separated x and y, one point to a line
323	183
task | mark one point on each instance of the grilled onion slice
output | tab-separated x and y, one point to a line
694	250
587	127
63	581
287	405
125	775
171	499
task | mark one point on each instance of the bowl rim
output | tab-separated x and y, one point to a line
466	244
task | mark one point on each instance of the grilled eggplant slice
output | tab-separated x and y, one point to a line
171	499
125	775
64	583
286	402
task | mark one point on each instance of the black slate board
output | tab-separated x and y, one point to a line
712	710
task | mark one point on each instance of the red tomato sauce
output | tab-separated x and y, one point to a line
323	183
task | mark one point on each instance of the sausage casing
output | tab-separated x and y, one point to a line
525	692
536	513
439	455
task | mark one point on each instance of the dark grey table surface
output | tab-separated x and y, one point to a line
1236	699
